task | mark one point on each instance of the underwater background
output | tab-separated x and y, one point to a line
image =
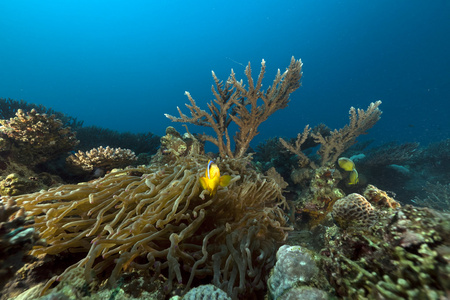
330	180
122	65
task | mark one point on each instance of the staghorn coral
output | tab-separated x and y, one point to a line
234	102
32	138
320	186
158	219
404	255
334	144
105	159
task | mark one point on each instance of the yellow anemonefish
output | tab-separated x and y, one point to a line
346	163
212	178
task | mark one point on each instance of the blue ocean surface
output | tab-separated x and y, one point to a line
123	64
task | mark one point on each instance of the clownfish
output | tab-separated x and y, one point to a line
212	178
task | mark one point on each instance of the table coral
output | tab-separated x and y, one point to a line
159	219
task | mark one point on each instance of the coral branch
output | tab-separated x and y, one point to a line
338	141
234	102
303	160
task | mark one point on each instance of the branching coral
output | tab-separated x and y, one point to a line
234	102
333	145
103	158
33	138
158	218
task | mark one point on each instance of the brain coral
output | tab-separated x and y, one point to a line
354	211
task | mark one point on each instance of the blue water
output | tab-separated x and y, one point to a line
123	64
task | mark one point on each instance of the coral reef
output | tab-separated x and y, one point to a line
32	138
403	255
294	267
104	159
319	196
15	239
438	197
272	153
92	137
14	184
158	219
9	108
206	292
175	145
354	211
379	198
304	293
320	186
239	104
390	153
17	179
333	145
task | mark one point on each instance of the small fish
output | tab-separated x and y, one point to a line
353	178
212	178
346	163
